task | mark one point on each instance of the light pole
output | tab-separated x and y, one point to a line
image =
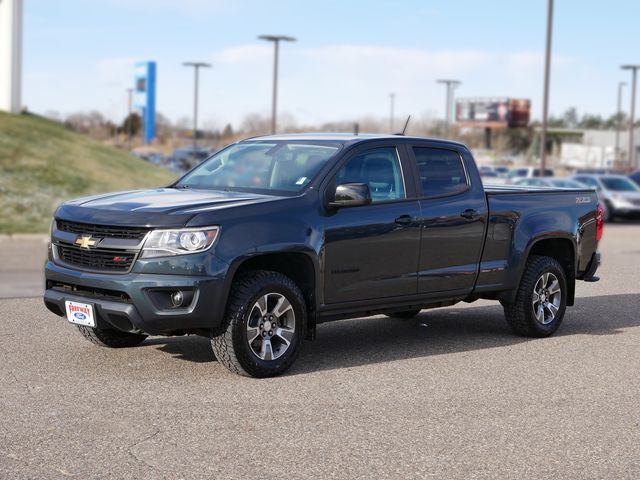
451	85
392	99
619	121
545	100
276	39
196	68
632	112
129	118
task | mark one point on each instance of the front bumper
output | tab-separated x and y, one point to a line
137	302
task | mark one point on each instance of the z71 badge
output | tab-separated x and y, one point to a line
583	199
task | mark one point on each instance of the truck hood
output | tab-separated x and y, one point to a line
153	208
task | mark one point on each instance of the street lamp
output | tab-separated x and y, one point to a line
619	121
196	68
632	112
451	85
276	39
545	100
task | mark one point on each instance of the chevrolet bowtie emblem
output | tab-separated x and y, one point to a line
85	241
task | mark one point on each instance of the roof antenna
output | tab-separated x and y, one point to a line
406	124
356	128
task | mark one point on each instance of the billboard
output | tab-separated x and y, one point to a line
144	97
493	112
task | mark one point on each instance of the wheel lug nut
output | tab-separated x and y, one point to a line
264	334
270	332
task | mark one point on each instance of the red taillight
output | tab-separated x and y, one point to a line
599	221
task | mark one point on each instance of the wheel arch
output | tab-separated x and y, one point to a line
563	250
299	266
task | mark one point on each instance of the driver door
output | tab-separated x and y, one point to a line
371	251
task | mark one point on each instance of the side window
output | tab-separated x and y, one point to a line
588	181
441	171
380	169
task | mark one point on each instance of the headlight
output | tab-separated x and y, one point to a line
165	243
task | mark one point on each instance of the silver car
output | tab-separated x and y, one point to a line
621	197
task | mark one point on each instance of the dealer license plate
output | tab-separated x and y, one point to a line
80	313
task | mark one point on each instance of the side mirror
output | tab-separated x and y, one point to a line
351	195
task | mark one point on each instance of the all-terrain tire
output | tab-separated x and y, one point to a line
520	314
111	338
231	344
404	314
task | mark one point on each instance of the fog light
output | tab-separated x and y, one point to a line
177	298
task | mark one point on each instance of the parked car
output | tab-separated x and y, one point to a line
502	171
553	182
620	195
519	173
273	235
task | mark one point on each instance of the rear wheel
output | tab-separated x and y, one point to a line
404	314
541	299
111	338
263	326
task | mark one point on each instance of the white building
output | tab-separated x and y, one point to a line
598	149
10	55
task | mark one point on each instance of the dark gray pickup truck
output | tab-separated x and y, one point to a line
274	235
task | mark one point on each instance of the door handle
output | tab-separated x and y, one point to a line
404	220
470	213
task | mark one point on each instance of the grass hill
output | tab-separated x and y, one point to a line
42	164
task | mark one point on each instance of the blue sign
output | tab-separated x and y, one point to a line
145	98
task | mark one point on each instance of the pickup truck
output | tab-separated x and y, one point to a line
274	235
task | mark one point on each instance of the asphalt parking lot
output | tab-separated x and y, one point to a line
450	395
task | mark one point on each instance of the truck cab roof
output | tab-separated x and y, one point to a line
350	138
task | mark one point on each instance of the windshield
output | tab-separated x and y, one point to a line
618	184
262	165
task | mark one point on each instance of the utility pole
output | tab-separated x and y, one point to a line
392	99
196	68
276	39
632	113
619	122
451	85
545	100
129	118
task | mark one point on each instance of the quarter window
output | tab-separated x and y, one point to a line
380	169
441	171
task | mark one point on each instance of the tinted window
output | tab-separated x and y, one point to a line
441	171
547	172
619	184
588	181
380	169
520	172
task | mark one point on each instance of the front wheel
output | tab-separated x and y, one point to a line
263	326
541	299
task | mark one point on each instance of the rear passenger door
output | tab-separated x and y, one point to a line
453	219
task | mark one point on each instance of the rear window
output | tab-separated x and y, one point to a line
547	172
441	171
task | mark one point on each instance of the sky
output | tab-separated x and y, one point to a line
349	55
